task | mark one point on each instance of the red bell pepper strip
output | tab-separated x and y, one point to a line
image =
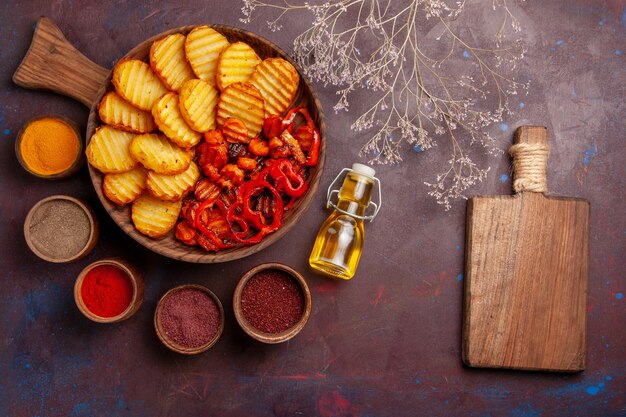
208	233
291	116
206	243
262	174
273	126
256	218
242	236
232	218
304	136
289	203
313	155
287	179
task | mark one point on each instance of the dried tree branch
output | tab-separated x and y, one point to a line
382	46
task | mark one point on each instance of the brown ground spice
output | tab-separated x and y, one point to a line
272	301
190	317
60	229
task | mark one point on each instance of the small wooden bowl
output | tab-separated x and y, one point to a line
32	239
138	290
173	345
76	165
259	335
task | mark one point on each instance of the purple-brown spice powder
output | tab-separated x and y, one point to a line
272	301
190	317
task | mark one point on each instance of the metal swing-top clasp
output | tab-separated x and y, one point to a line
359	169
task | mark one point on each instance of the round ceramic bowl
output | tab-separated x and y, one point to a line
72	169
172	344
133	275
45	241
261	336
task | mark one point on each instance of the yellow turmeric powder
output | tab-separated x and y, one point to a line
49	146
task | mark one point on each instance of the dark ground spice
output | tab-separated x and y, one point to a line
60	229
272	301
190	317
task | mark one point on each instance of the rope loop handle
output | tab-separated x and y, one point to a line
530	159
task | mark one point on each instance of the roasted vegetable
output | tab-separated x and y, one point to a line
167	58
135	81
153	217
158	154
125	187
108	150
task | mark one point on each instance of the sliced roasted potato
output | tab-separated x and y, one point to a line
203	46
244	102
168	117
158	154
154	217
108	150
135	81
167	58
198	102
236	64
119	113
173	187
277	80
125	187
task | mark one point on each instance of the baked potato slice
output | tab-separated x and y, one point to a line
198	104
236	64
168	117
203	46
135	81
125	187
244	102
172	187
108	150
277	80
119	113
167	58
153	217
157	153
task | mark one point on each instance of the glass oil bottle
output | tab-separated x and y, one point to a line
339	242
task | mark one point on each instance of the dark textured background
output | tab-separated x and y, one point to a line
386	343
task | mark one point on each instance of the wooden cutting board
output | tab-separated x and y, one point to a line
526	273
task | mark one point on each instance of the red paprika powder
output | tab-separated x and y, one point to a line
107	291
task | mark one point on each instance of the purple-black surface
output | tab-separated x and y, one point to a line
386	343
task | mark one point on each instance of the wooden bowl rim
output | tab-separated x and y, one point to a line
135	279
272	338
72	169
195	254
171	344
93	225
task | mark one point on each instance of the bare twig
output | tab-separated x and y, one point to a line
414	97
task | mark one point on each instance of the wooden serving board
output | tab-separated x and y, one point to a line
526	279
52	63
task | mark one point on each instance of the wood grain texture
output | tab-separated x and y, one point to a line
52	63
88	85
526	281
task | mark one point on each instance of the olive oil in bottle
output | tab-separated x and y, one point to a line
339	242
